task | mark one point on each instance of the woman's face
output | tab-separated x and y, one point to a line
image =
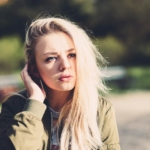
55	56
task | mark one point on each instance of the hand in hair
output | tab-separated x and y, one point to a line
35	92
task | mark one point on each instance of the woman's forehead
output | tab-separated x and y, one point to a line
54	43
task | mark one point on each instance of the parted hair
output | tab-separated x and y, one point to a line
80	116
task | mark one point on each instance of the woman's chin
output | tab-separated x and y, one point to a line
62	88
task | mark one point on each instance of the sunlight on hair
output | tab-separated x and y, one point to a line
79	115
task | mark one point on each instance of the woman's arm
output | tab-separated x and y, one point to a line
109	131
21	127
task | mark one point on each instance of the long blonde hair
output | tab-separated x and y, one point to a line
79	115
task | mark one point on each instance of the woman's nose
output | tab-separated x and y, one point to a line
64	64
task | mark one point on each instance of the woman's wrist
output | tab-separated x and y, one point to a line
37	98
35	107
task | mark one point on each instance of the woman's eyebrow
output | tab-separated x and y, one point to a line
55	53
52	53
71	49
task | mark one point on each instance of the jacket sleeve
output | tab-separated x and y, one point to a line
109	132
23	130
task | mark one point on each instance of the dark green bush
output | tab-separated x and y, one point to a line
111	48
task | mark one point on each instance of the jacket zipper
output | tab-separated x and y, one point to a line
50	133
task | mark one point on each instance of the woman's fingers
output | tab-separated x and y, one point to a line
33	89
25	75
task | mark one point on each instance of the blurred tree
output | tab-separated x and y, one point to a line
111	48
128	21
17	12
123	18
12	56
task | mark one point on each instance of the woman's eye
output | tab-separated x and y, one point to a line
50	59
72	55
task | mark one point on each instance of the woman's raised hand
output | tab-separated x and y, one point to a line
35	92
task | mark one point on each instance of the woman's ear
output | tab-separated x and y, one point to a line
33	71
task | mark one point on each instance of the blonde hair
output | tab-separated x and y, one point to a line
80	115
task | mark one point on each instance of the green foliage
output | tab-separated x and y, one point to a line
137	78
85	6
128	20
111	48
12	55
140	77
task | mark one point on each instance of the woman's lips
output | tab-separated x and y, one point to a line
65	78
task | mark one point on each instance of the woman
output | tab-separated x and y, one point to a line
62	106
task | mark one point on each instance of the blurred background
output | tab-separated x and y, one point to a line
120	29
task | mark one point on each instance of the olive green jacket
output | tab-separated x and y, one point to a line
25	124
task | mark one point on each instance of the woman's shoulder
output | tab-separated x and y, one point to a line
16	101
15	96
105	104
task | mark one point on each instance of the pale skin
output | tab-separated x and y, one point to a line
55	56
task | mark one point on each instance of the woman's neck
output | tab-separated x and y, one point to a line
57	99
